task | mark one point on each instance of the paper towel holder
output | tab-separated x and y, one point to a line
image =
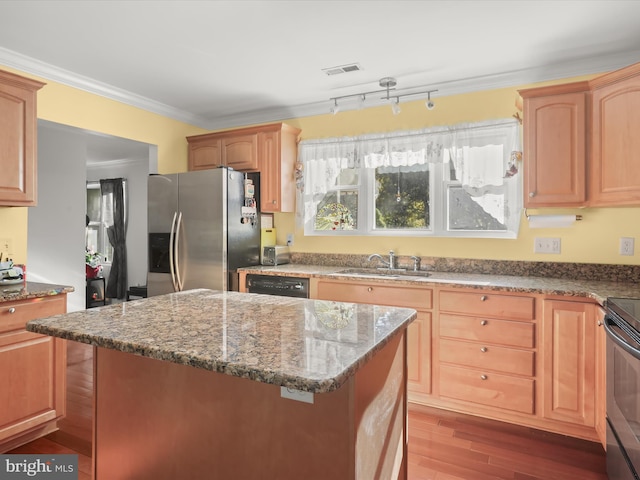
578	217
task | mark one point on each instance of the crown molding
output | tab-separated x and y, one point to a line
66	77
541	73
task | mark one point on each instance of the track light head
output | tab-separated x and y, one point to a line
395	106
429	103
335	108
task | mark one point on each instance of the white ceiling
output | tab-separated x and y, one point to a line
219	64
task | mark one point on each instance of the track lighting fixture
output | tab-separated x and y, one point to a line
336	108
388	85
430	105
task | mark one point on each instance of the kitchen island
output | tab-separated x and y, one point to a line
210	384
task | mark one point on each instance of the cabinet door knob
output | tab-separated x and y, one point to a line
483	377
532	194
483	322
273	201
12	310
483	349
483	298
599	323
370	289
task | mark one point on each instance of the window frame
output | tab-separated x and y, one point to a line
439	206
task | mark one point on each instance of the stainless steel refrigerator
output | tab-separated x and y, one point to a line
203	225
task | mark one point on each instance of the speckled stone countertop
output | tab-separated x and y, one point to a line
308	345
22	291
597	290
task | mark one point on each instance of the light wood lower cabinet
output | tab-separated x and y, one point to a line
419	332
32	372
601	377
526	359
569	362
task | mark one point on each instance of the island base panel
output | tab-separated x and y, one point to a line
160	420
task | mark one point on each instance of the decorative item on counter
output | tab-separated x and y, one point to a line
93	264
10	273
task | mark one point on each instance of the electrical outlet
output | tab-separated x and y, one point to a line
290	239
6	247
626	245
546	245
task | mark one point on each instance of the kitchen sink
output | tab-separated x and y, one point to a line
384	272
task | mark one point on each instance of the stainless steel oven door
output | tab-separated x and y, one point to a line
623	404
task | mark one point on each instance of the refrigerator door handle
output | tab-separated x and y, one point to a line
172	268
177	259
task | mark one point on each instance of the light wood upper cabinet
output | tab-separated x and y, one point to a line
270	149
555	139
32	372
18	144
568	339
241	152
277	159
615	143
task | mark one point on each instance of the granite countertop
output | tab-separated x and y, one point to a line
596	290
25	291
308	345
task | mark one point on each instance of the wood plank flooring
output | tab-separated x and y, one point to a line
442	445
450	446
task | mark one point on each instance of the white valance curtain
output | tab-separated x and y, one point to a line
322	159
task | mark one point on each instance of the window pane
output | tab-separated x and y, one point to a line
93	204
338	210
348	177
402	198
486	212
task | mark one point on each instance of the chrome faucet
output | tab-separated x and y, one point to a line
390	264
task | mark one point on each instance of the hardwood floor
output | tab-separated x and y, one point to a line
442	445
450	446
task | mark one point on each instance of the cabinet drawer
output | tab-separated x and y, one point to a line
484	356
376	293
488	304
501	332
491	389
15	315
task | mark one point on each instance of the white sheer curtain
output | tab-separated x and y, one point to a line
322	159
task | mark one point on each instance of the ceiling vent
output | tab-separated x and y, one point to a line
353	67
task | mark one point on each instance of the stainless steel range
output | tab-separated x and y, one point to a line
622	324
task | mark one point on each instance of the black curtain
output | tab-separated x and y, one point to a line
117	232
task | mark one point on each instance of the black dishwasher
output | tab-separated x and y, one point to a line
277	285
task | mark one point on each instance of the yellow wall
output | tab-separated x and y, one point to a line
593	240
69	106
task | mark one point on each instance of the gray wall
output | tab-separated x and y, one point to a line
55	245
56	226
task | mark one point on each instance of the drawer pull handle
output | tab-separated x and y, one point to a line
483	298
12	310
483	322
370	289
483	377
599	323
483	349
